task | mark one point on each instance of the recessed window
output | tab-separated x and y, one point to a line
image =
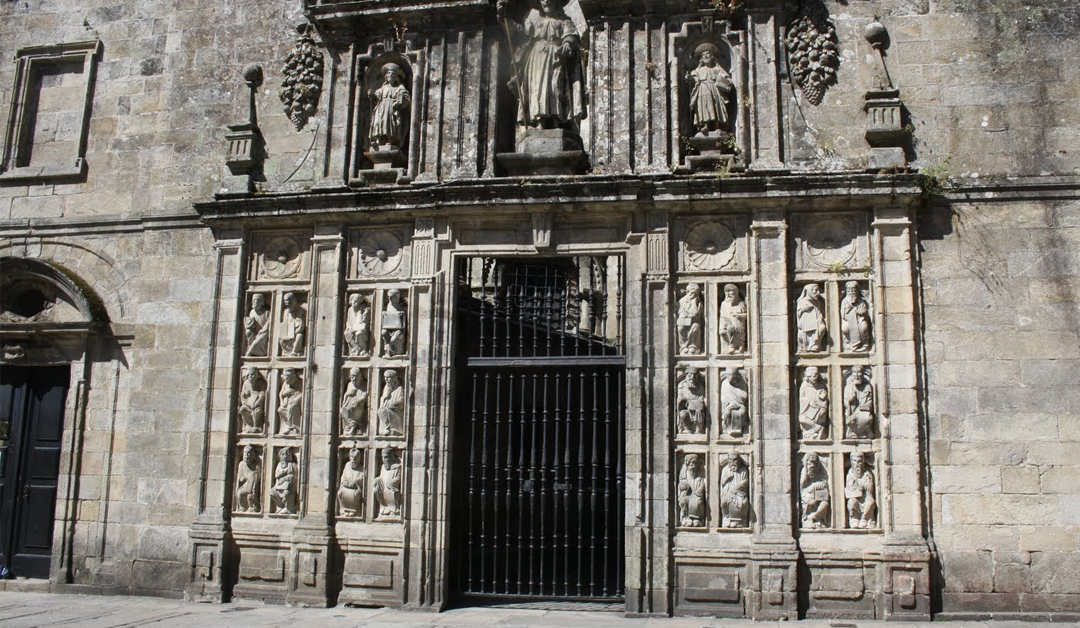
50	112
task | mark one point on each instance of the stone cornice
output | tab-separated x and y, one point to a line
593	193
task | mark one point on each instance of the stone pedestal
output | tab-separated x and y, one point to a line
715	152
244	160
388	166
885	130
546	152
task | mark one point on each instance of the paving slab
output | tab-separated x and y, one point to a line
57	610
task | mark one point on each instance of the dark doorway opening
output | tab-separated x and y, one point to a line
537	483
32	403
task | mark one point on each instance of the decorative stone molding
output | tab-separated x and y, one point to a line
303	72
813	48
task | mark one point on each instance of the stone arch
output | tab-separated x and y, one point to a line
34	291
94	271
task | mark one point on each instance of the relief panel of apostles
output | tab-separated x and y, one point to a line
372	408
714	407
272	374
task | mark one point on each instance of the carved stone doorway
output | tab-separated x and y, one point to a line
537	482
31	428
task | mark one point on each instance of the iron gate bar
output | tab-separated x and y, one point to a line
604	360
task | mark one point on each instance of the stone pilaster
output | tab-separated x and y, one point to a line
209	533
312	535
765	123
774	571
905	578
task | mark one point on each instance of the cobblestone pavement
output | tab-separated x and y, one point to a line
28	610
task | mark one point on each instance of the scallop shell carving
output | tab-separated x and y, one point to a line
709	246
830	242
380	253
281	257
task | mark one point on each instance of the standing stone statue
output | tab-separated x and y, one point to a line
392	405
810	314
859	491
692	492
257	327
858	404
350	494
734	492
290	399
814	491
354	404
710	91
283	493
688	322
293	333
732	321
734	402
550	83
854	319
389	111
358	326
690	400
252	408
393	324
813	405
247	481
388	485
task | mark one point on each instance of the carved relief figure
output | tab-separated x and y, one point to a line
358	326
354	404
688	323
392	405
290	398
854	319
257	327
350	495
252	408
734	400
692	491
293	333
389	111
734	492
247	481
690	399
814	491
550	85
388	485
393	324
283	493
810	314
859	491
858	404
813	405
732	321
710	89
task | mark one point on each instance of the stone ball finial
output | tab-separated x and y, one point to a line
876	33
253	75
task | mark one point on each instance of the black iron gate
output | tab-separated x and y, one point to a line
537	507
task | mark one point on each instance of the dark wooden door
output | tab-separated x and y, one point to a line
31	426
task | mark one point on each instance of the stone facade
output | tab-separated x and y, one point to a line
839	242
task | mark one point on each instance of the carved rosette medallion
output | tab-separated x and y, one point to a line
709	246
281	257
302	85
380	253
829	243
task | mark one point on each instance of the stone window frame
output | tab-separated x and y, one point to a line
28	62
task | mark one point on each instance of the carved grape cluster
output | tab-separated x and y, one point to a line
812	48
302	86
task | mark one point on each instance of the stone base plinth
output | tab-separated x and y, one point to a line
546	152
885	159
